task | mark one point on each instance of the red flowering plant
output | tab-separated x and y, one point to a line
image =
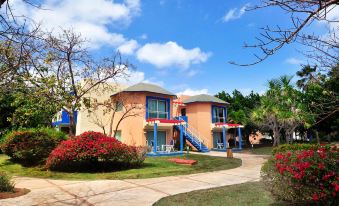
304	176
94	151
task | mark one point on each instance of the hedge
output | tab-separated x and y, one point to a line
31	146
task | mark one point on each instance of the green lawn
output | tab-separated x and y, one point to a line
153	167
260	150
252	193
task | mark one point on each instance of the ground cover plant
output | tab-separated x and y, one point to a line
6	185
303	174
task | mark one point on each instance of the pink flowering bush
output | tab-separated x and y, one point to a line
94	151
306	176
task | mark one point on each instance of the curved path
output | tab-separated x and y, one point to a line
131	191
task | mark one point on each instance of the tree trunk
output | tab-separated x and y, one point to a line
117	127
287	137
276	137
111	125
276	132
317	136
291	137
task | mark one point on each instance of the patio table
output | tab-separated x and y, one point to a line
167	148
220	145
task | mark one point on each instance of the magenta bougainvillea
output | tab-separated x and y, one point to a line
309	175
93	149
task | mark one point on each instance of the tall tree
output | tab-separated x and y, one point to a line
322	48
282	109
64	71
321	92
308	75
240	109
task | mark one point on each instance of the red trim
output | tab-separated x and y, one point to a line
172	121
178	102
227	124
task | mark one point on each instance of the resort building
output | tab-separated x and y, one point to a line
149	115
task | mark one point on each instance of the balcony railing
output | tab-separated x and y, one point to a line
157	114
219	119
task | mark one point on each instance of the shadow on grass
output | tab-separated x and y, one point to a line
83	167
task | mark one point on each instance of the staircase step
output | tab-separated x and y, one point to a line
200	147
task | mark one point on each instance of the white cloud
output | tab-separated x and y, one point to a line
192	92
90	18
143	36
153	81
133	77
170	54
192	73
294	61
235	13
128	47
333	16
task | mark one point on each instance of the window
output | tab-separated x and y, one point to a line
157	108
118	106
118	135
219	114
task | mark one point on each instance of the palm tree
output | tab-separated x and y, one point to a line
308	75
281	108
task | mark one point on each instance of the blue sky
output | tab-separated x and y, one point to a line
182	45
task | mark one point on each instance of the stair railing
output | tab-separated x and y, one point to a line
195	133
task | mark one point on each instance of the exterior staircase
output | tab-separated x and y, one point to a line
191	135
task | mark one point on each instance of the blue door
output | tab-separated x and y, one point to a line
161	138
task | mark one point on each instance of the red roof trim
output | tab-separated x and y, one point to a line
227	124
171	121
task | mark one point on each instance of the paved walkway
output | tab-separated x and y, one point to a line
135	192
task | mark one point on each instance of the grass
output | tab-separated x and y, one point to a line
267	150
152	167
251	193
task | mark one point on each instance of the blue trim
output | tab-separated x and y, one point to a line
218	150
155	135
65	118
168	100
224	150
236	150
185	118
157	154
224	136
181	138
240	138
212	113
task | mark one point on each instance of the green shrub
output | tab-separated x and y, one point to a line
6	185
294	147
31	146
303	176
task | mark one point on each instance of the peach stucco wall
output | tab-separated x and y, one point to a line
200	117
133	130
